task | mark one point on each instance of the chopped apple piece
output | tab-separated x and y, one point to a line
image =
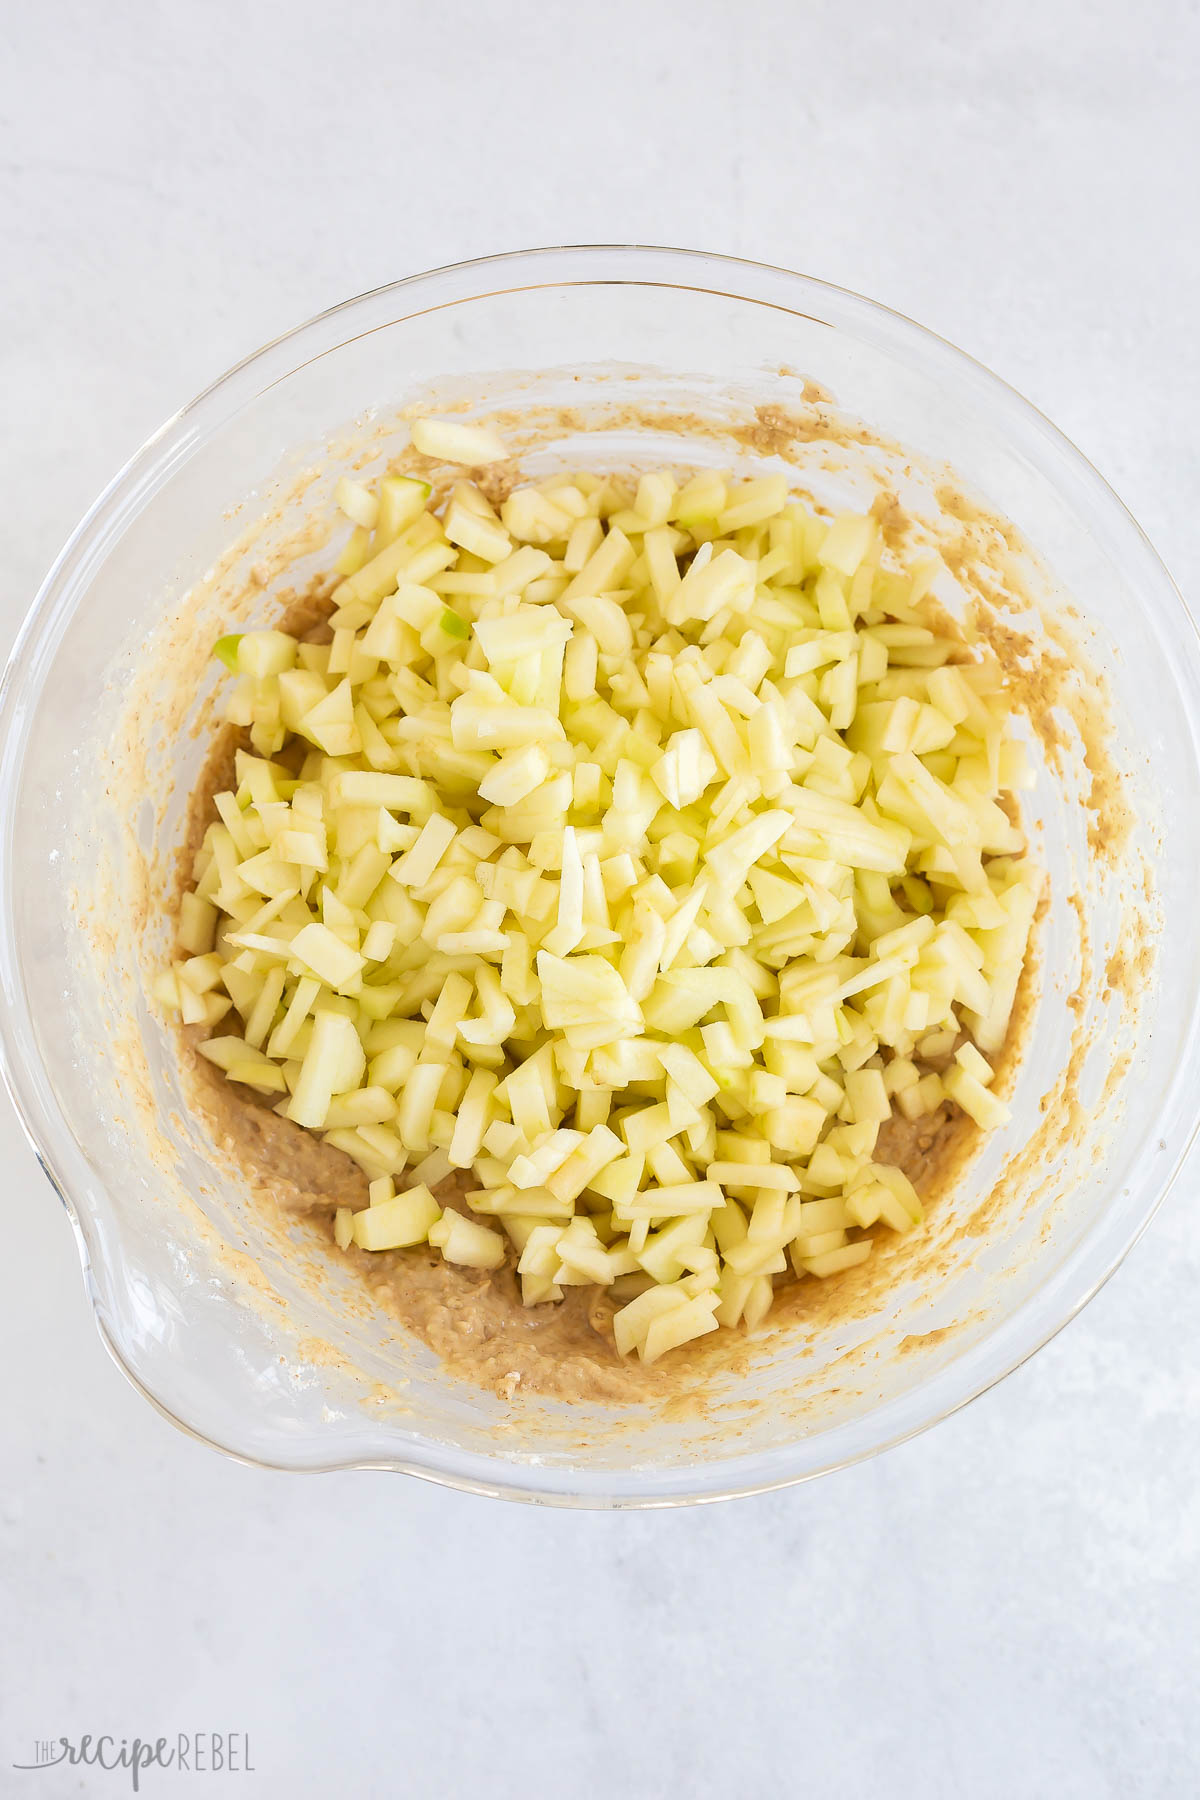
398	1223
449	441
461	1240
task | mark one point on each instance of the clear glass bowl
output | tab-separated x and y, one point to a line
226	1318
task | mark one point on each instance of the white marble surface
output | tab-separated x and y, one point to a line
1003	1609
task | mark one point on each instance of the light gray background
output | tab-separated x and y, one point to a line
1004	1609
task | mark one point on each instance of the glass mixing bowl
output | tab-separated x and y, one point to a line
230	1320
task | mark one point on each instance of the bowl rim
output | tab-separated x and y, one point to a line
20	1061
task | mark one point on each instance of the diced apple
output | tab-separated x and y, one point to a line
640	846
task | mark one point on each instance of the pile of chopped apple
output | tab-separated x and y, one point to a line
640	845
